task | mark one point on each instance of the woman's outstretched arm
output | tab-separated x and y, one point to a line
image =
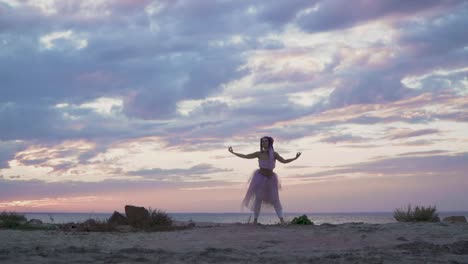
282	160
248	156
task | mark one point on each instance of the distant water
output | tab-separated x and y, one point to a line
265	218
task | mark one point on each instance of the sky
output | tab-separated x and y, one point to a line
106	103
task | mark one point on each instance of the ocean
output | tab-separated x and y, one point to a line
265	218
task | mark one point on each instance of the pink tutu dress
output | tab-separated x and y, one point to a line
263	189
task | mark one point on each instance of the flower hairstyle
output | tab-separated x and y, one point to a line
270	141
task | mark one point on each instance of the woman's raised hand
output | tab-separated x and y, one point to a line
298	155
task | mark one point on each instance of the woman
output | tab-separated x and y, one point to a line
263	187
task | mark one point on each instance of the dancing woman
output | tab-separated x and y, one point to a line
263	187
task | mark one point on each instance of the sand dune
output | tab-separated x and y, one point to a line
242	243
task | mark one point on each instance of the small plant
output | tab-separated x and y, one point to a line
11	219
301	220
159	218
51	218
417	214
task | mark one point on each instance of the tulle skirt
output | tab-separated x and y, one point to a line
265	189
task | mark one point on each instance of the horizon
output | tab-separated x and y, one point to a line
106	103
267	212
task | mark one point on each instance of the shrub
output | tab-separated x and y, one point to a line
97	225
90	225
11	219
159	218
417	214
301	220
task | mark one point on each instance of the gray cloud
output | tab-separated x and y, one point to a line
341	14
416	133
370	86
198	171
184	52
438	35
36	189
426	153
151	69
450	164
343	138
420	142
8	149
280	13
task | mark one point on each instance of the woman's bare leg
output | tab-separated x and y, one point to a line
257	206
279	212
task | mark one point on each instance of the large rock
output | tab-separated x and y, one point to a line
117	219
137	216
35	223
455	219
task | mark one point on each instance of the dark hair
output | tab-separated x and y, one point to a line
270	140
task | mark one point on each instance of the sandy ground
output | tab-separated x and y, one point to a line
243	243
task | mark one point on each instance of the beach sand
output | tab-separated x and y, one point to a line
245	243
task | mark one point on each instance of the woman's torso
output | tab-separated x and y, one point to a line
266	164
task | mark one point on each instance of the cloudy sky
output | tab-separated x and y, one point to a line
111	102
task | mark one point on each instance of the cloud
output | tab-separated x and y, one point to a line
195	172
439	35
169	52
446	165
369	87
165	55
416	143
341	14
280	13
8	149
36	189
416	133
151	67
424	153
414	110
47	201
343	138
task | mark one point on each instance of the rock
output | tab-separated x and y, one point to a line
455	219
117	219
137	216
35	222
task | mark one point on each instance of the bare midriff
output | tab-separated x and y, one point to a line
266	172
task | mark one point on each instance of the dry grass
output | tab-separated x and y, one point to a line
11	220
159	221
416	214
90	225
159	218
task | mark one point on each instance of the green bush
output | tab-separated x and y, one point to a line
416	214
11	219
301	220
159	218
